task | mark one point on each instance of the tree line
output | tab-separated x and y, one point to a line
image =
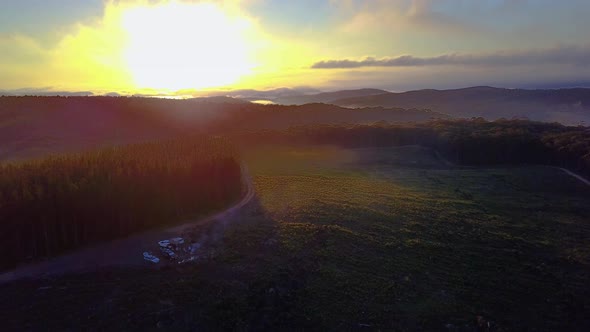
466	141
63	202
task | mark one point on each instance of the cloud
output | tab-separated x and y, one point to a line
569	55
87	56
422	14
415	78
21	60
20	49
94	54
419	16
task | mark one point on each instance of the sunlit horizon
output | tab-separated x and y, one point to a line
171	47
177	46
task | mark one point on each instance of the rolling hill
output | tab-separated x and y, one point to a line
328	97
34	126
568	106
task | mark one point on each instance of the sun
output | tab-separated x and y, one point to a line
175	45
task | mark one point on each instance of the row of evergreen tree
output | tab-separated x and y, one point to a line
473	141
63	202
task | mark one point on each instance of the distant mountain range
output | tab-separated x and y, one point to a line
568	106
328	97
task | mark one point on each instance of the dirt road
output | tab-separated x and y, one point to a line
579	177
126	252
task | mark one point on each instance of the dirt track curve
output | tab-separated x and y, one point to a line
126	252
579	177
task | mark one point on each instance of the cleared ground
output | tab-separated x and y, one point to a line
390	239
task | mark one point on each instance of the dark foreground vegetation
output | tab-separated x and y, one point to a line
64	202
471	142
362	235
375	239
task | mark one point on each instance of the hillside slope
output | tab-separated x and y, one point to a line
568	106
328	97
34	126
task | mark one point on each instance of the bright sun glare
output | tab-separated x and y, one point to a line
173	46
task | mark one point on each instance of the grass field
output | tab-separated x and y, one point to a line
398	239
376	239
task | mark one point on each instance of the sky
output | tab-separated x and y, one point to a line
188	46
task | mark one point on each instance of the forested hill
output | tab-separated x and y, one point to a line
468	142
33	126
281	117
327	97
63	202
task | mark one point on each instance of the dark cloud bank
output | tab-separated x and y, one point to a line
568	55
